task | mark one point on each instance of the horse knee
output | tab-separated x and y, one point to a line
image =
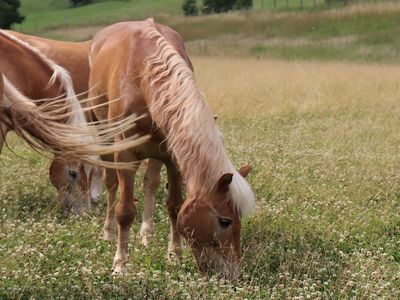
125	214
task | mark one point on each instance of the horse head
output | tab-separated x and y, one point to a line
211	224
78	184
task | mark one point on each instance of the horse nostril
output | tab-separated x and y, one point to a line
73	174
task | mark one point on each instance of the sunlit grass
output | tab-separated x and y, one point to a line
324	145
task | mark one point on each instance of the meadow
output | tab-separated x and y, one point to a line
365	32
323	141
322	137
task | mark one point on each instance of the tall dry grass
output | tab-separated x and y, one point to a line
251	87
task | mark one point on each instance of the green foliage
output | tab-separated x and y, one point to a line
190	8
220	6
244	4
80	2
217	6
9	13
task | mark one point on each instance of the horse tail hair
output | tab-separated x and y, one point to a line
38	127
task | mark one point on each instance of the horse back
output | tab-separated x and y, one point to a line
118	58
73	56
25	68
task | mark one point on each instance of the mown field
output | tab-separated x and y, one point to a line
310	99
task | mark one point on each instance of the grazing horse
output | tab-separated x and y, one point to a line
16	56
76	188
145	66
69	181
28	73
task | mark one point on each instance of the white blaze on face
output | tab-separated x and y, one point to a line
96	185
94	176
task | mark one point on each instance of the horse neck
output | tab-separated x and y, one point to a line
180	112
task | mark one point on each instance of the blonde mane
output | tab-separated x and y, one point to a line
179	110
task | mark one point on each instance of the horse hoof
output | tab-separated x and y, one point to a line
144	240
174	257
145	234
119	272
120	269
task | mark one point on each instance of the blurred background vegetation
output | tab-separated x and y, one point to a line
363	31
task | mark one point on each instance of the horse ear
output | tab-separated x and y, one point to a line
244	171
224	182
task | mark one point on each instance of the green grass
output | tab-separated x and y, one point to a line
101	13
352	34
34	6
363	33
324	145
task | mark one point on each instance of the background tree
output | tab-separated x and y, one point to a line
190	8
244	4
217	6
79	2
220	6
9	13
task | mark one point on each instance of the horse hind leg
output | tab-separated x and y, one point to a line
125	211
151	182
3	133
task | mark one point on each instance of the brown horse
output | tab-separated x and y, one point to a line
145	65
70	181
76	189
40	78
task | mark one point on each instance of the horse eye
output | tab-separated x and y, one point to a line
224	222
72	174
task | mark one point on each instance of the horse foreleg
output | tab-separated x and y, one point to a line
151	182
111	182
125	211
174	204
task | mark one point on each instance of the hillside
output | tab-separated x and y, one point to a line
366	33
50	14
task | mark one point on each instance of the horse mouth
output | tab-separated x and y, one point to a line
212	262
73	202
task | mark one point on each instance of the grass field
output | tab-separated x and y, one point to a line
102	13
363	33
323	140
309	98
